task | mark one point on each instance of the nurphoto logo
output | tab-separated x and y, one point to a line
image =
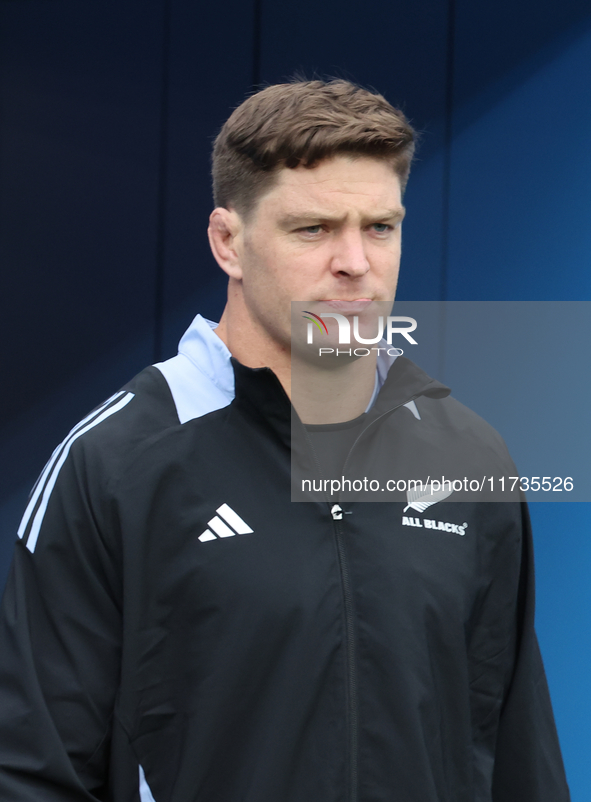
391	326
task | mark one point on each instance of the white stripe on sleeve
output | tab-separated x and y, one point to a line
40	483
38	519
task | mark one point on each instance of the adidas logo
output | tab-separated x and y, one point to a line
232	524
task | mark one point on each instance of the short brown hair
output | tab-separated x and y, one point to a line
301	123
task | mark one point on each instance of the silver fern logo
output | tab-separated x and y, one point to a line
423	496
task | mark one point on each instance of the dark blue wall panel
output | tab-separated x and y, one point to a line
521	171
80	102
563	613
210	72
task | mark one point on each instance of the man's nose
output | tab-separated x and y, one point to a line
349	257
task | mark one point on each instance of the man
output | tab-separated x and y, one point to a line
176	628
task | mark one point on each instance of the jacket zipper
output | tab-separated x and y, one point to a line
351	672
350	647
350	652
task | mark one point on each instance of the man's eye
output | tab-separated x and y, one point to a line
311	229
381	228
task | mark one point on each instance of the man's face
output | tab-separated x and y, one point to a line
328	236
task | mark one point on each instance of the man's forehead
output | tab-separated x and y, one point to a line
341	167
367	181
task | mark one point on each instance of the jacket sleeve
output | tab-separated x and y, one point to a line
528	764
60	635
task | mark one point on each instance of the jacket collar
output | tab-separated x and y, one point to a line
405	382
260	390
207	352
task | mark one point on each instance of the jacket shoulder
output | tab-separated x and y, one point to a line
142	409
461	419
461	431
86	462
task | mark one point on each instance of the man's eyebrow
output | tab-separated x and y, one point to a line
306	218
390	214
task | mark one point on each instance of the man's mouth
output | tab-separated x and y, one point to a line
347	307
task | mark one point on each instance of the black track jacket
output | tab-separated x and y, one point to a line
176	629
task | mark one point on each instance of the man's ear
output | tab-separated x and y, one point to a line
224	232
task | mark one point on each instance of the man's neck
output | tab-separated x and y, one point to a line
253	348
334	395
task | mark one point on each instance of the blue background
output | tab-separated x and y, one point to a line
108	113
